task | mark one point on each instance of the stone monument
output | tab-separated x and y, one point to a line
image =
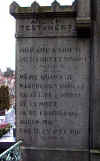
58	81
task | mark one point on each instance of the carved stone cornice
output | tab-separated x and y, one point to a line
82	18
36	9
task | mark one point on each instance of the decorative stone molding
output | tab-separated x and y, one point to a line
82	17
35	7
55	6
13	7
22	12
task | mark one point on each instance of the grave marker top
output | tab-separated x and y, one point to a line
79	9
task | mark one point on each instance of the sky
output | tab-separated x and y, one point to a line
7	30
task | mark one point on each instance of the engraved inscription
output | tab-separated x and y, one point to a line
51	26
53	91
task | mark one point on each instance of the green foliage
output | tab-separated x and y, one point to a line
4	98
4	129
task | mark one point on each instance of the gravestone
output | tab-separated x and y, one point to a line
58	81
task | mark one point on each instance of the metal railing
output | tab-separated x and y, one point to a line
12	154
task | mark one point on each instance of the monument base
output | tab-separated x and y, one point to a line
32	154
95	155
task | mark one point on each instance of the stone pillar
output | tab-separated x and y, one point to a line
95	153
83	19
84	9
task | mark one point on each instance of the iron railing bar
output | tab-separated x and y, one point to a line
11	148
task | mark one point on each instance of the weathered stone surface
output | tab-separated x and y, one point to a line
84	8
55	155
96	107
52	83
57	81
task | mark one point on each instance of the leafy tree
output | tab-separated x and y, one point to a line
4	98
